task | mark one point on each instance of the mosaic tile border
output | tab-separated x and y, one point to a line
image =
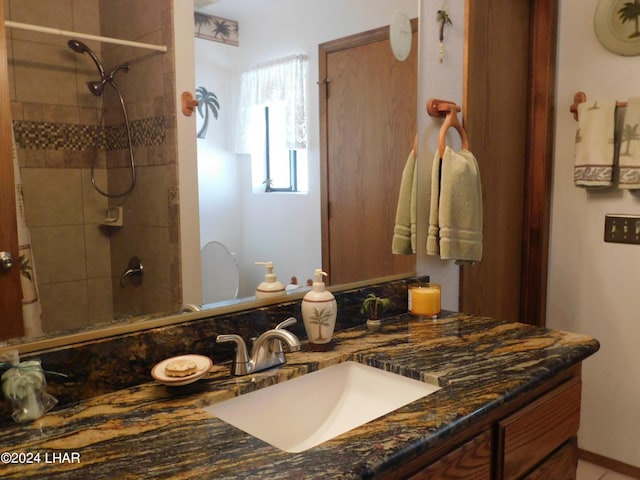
145	132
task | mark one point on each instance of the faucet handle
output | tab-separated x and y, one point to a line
287	323
241	363
278	347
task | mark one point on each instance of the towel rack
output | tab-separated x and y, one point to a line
448	110
581	97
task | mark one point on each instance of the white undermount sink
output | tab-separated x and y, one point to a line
301	413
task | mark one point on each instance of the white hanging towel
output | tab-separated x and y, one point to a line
594	144
629	159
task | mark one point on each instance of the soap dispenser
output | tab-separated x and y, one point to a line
271	287
319	310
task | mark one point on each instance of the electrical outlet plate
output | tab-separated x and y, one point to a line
622	228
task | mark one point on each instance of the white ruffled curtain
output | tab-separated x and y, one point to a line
282	80
31	309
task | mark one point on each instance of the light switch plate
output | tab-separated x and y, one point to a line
622	228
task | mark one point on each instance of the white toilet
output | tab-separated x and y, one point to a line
220	273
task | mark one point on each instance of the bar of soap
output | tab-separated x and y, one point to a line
180	368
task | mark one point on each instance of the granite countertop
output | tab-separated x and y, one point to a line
156	431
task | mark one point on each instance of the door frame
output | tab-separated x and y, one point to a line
539	98
539	169
10	289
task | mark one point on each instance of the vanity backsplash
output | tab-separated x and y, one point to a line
105	365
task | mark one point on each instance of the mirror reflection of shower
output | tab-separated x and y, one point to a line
96	87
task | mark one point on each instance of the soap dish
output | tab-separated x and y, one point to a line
203	364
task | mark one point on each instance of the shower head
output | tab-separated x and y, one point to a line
79	47
97	86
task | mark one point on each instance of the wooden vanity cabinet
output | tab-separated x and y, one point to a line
532	437
529	436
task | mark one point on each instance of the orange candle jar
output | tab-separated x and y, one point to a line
424	299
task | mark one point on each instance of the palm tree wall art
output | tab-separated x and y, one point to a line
207	102
630	12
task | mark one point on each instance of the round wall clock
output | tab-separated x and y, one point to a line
616	23
400	35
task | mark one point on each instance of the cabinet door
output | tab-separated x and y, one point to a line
530	435
471	461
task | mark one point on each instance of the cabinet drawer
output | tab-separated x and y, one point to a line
471	461
530	435
559	466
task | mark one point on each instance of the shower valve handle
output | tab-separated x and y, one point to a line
134	272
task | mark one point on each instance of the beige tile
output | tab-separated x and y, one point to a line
41	70
86	16
59	253
156	256
100	299
48	13
33	112
147	17
61	114
52	196
94	205
89	116
98	251
17	111
148	202
64	305
589	471
144	80
125	243
157	299
616	476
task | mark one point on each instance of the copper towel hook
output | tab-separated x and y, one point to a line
448	110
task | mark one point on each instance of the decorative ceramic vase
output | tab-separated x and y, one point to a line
319	311
374	325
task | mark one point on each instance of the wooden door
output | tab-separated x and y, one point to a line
368	123
10	289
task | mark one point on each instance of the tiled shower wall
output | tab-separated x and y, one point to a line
79	261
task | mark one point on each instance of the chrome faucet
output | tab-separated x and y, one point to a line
267	349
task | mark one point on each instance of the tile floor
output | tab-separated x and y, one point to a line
589	471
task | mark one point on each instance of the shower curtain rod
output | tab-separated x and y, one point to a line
85	36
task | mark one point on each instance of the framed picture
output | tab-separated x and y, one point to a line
617	26
216	29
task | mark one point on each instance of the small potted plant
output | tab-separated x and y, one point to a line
373	306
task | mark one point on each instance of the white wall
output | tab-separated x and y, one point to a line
183	57
437	80
593	286
219	188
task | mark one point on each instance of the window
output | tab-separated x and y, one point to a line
272	124
285	168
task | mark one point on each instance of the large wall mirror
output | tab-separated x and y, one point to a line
85	244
